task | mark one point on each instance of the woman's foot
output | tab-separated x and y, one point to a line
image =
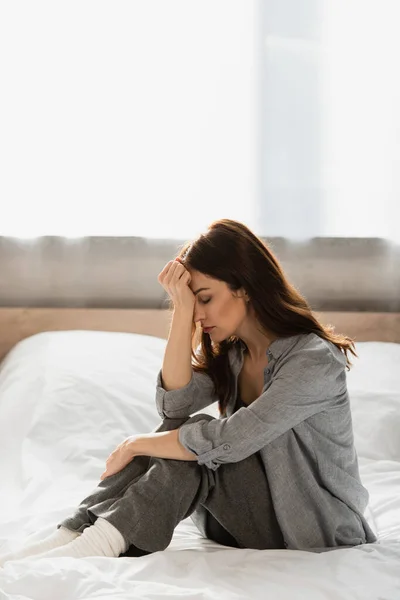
59	537
100	539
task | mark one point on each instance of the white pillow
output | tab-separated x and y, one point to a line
67	399
374	387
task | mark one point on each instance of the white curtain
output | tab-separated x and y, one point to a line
331	118
155	117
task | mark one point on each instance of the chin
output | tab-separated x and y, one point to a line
217	338
214	337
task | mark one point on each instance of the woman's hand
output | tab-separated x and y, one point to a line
160	444
175	279
122	455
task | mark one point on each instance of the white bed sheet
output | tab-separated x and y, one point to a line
68	398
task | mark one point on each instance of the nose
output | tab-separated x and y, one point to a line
198	313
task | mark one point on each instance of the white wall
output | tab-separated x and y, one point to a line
126	118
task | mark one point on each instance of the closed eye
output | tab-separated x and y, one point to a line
204	301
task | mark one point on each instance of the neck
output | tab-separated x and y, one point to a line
257	345
256	338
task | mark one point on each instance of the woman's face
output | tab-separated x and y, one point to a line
217	306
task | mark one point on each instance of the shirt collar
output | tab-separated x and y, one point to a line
278	346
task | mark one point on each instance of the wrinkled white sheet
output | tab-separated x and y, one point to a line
68	398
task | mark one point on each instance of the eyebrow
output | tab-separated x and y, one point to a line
200	290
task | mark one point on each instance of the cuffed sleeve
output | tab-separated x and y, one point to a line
183	402
308	382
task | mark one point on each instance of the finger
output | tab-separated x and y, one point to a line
174	273
165	270
184	272
168	271
176	265
187	275
108	472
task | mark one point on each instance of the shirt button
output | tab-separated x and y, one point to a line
268	370
227	447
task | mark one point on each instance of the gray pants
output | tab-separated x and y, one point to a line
150	496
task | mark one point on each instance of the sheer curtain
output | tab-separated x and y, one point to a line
155	118
331	123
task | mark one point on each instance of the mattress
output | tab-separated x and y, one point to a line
67	399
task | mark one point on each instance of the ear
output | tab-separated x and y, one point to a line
241	293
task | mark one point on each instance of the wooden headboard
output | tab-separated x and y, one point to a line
19	323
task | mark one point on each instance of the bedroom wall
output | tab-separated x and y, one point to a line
335	274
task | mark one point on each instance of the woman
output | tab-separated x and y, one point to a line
278	468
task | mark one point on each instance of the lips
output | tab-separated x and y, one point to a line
207	329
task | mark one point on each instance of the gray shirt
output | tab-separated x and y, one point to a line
301	425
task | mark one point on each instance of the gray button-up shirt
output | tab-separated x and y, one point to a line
301	425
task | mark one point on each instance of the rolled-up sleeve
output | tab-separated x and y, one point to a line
180	403
307	383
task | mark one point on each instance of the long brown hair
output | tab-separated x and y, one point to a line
230	252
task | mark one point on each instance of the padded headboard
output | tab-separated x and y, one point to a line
335	274
110	284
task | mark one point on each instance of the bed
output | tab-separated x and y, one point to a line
74	383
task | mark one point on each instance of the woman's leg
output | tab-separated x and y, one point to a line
239	510
113	487
215	531
237	495
107	491
153	503
58	538
107	524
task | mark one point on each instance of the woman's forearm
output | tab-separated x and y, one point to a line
177	364
162	444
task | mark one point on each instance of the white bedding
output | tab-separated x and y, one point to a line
68	398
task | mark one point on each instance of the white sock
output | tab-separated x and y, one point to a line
100	539
59	537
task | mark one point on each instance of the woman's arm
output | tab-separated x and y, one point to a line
180	391
176	369
183	402
162	444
